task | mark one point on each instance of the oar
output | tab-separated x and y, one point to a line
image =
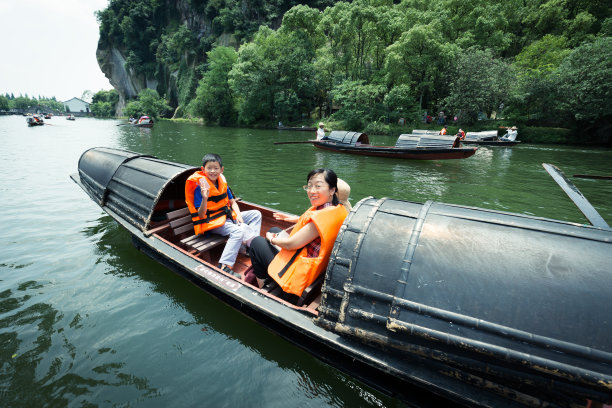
593	176
296	142
576	196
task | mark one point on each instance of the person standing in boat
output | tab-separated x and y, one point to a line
213	208
294	261
321	132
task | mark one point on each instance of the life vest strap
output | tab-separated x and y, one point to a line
213	215
217	198
295	255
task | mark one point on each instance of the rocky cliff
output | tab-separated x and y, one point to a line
161	45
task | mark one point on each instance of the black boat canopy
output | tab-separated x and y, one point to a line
132	184
350	138
523	298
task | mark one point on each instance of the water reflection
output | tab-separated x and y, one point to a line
37	354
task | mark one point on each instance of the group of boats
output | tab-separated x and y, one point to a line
418	145
37	119
439	313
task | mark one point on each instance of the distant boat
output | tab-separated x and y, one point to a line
144	121
488	138
408	146
70	117
35	120
48	116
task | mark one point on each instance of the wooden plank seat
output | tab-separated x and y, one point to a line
180	223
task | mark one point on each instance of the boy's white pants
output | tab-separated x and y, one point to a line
239	234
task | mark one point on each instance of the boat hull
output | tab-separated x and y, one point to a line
473	353
398	153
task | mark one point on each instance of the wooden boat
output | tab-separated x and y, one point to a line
412	147
436	304
35	120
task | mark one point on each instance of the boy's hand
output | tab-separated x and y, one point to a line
239	219
204	187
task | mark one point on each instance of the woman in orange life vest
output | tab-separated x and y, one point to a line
305	252
213	208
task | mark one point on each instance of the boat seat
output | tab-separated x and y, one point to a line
181	224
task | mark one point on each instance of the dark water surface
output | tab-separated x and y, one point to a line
86	320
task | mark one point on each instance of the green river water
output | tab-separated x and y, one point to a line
86	320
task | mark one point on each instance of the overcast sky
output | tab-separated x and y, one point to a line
48	48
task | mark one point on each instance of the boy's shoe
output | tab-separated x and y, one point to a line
229	270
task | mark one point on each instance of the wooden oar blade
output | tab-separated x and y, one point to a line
593	176
576	196
295	142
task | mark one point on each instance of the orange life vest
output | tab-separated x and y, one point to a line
443	131
293	270
217	206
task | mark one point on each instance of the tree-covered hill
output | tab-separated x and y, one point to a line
367	62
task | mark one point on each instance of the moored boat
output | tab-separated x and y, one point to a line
480	307
412	147
70	117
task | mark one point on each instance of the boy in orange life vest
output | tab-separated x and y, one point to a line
213	208
305	252
443	131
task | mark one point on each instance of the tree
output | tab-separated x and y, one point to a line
360	103
104	103
583	83
87	96
4	103
214	98
480	83
148	103
418	59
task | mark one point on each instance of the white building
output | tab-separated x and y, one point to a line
76	105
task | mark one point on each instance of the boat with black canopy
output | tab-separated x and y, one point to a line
412	147
436	304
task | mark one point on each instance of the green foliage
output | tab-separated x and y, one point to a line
479	83
148	103
586	94
361	103
214	99
104	103
103	110
4	103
